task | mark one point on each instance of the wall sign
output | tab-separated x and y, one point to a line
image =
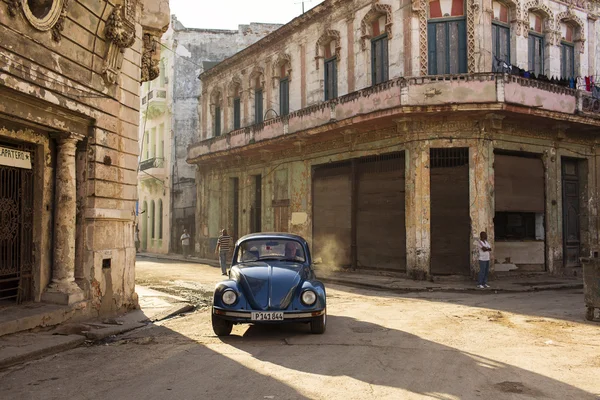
15	158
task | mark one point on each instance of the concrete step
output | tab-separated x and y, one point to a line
24	317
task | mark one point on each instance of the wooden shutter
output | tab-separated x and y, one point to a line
384	59
258	106
432	48
284	99
462	48
236	114
217	121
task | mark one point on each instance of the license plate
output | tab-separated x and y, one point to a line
267	316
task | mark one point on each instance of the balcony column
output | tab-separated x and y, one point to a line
63	289
418	210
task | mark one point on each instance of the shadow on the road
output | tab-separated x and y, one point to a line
151	363
377	355
567	304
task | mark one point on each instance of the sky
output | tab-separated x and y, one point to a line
228	14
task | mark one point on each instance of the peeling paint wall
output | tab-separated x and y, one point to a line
57	83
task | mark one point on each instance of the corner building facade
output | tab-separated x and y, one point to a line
70	73
391	133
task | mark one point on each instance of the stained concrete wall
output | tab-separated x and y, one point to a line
193	48
55	82
416	138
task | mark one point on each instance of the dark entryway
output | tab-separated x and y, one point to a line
571	232
16	228
359	213
256	207
450	219
380	219
332	217
234	187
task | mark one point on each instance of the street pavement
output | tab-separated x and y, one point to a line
378	344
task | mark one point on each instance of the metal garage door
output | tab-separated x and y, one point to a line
332	226
450	219
381	232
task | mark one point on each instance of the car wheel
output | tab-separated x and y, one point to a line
318	324
221	326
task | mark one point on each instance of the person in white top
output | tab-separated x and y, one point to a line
484	260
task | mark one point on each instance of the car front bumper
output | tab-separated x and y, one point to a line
245	316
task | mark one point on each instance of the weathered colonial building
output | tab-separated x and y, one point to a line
169	124
390	133
69	110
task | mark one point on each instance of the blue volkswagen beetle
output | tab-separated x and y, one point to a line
271	281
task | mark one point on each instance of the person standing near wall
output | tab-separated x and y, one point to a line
484	260
185	243
137	239
224	245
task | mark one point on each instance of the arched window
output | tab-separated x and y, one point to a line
235	102
152	220
572	40
447	37
540	31
282	71
216	102
500	34
160	219
328	49
376	27
536	44
256	89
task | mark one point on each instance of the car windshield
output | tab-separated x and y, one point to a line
270	249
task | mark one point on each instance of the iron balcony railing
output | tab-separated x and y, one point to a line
155	162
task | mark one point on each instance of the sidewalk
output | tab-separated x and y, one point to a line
398	282
25	346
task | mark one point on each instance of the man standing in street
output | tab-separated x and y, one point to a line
137	239
185	243
484	261
224	244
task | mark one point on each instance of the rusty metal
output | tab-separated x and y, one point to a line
449	157
16	230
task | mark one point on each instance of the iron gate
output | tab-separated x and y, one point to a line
16	229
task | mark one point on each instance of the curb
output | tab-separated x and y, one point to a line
117	330
205	261
72	342
449	289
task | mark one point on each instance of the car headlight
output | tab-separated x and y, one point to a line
229	297
309	297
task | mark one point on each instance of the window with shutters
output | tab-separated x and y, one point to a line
379	59
500	35
237	113
567	51
217	121
330	78
447	37
258	106
284	96
536	44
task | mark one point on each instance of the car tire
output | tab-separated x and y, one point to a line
319	324
221	326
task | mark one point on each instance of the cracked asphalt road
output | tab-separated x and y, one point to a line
377	345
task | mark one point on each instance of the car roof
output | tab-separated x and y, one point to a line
272	235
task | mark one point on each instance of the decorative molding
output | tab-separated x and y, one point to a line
150	62
472	9
376	11
257	72
568	16
120	35
538	6
420	7
326	38
14	7
282	59
235	82
53	19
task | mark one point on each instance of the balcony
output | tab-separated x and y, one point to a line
405	97
153	166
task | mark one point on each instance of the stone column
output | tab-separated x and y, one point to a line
63	289
553	219
481	195
418	212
